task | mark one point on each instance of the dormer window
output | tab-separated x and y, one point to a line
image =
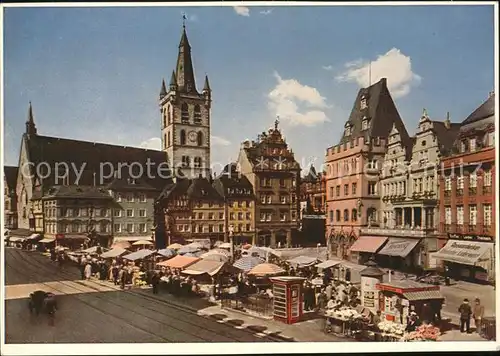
365	123
363	104
472	144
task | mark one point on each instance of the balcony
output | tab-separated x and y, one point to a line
477	229
398	231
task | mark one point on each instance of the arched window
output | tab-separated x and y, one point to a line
338	214
169	114
197	114
346	215
354	215
371	215
199	138
183	137
164	120
184	112
165	141
168	139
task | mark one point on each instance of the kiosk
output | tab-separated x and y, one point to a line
287	303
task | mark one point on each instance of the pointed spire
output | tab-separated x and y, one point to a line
184	70
206	87
447	122
30	123
173	81
163	90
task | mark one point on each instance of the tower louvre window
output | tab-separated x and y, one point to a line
183	137
185	113
169	115
197	114
199	139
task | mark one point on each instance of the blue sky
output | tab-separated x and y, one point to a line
95	73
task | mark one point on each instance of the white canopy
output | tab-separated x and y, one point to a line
117	251
328	263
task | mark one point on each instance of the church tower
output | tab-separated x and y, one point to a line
185	117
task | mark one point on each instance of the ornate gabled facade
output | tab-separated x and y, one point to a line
410	193
270	166
239	204
10	197
313	192
467	195
185	117
353	167
192	209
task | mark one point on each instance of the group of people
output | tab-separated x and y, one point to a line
467	311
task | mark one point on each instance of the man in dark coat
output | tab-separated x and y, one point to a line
155	281
465	313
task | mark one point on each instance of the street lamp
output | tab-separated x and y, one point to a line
231	239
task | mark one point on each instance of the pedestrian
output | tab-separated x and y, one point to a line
155	281
413	322
465	314
88	271
478	314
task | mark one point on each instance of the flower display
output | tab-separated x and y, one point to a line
345	314
424	332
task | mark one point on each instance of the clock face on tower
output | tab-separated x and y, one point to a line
192	136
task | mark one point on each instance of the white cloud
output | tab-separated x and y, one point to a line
242	10
266	12
393	65
328	67
287	97
219	141
152	144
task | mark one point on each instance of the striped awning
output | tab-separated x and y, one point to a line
204	266
423	295
247	263
399	247
33	236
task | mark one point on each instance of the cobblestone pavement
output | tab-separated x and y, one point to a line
95	311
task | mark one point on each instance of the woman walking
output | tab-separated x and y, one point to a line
88	271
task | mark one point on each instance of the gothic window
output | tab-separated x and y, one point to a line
199	138
169	114
168	139
197	162
186	162
164	119
185	113
165	145
197	114
183	137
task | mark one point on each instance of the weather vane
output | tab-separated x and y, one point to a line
184	18
276	122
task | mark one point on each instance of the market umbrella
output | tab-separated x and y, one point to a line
219	251
263	252
225	245
266	269
121	244
114	253
193	254
215	257
167	252
187	249
175	246
247	263
246	246
142	243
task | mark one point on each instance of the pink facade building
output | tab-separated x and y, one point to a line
353	167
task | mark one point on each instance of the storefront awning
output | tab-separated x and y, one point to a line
368	244
47	240
204	266
463	252
399	247
423	295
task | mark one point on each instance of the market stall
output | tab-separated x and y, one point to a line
145	256
246	263
204	269
179	262
113	253
347	322
302	261
396	299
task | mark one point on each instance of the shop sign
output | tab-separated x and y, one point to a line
469	237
